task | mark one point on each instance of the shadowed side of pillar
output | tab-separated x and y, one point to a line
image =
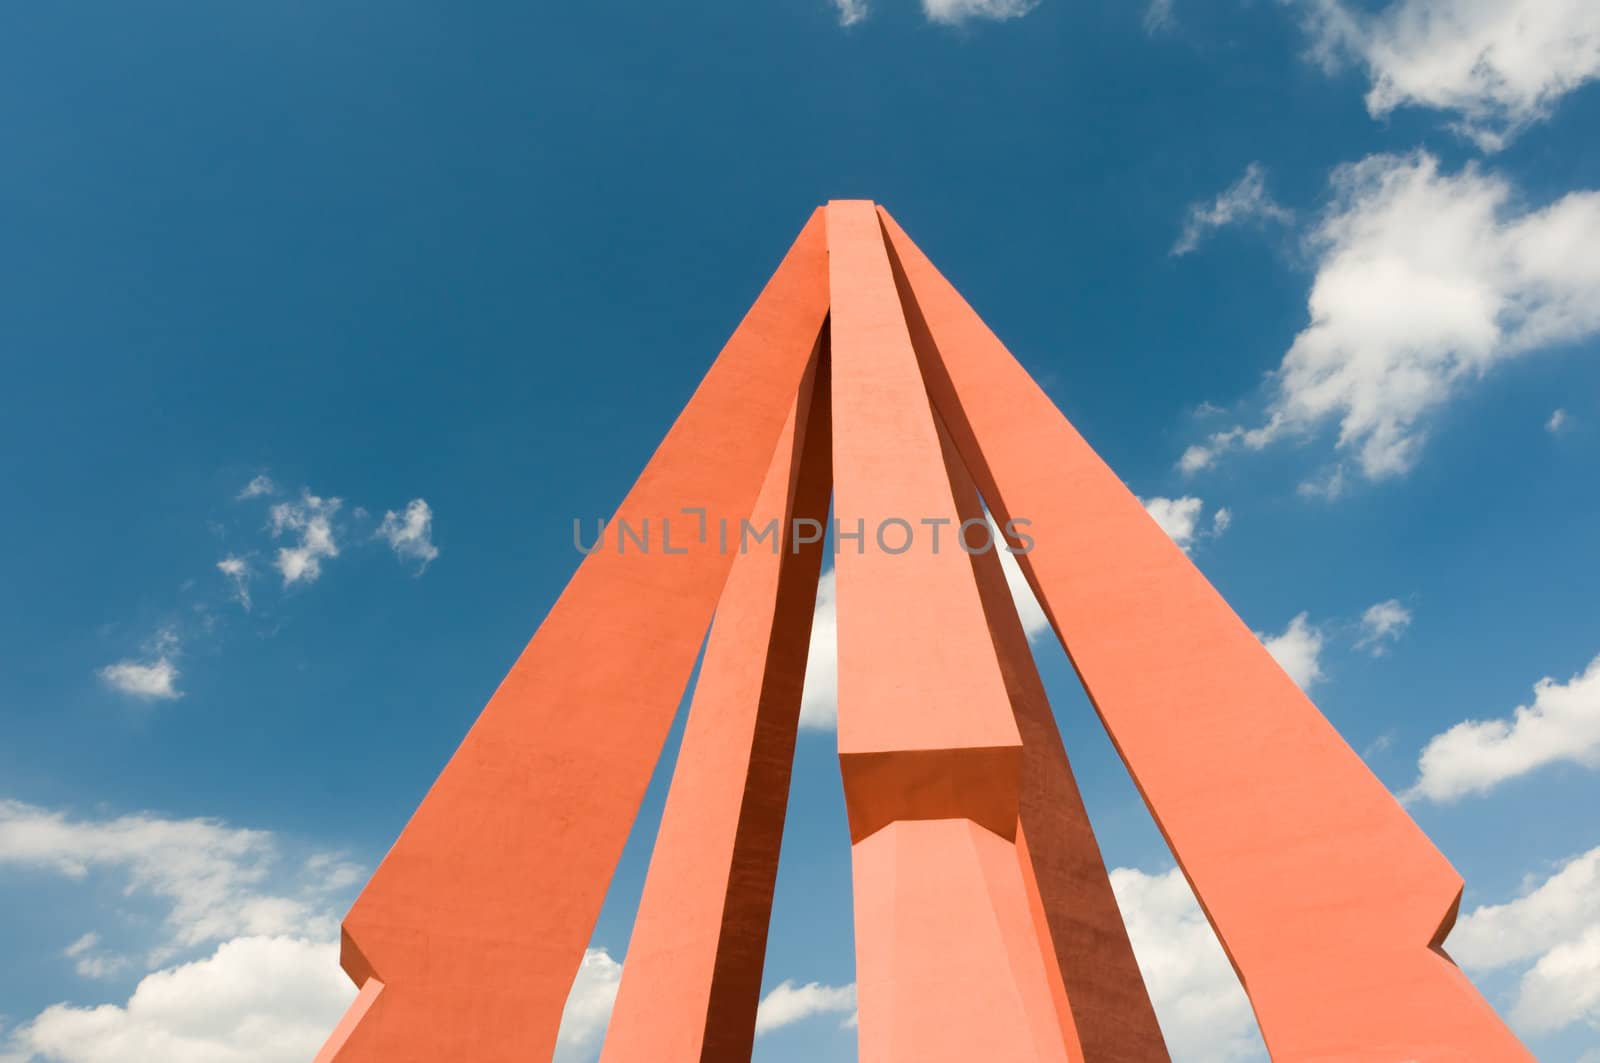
476	921
1080	926
948	963
1328	899
691	980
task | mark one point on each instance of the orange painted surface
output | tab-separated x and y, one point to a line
914	650
948	963
1100	994
948	968
1324	892
476	921
692	976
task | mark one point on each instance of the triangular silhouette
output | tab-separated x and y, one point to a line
985	925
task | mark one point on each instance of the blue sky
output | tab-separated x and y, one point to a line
1328	267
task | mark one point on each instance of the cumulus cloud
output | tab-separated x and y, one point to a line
1557	422
152	678
1203	1011
1382	625
1497	65
254	1000
1298	651
588	1008
1552	934
955	12
266	987
310	520
410	535
1425	281
789	1003
216	881
1473	757
1246	201
1181	518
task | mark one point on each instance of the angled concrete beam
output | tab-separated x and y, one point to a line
948	963
1330	901
691	979
474	925
1100	992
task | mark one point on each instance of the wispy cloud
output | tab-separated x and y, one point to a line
1245	201
1562	725
237	569
1158	16
851	11
311	522
410	535
91	961
261	485
1425	281
789	1003
955	12
1382	625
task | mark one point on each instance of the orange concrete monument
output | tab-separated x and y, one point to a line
986	928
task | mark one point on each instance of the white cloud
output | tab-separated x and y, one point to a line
1498	65
237	569
1204	1013
819	700
1382	625
851	11
588	1007
155	678
1029	611
1246	200
311	519
1474	756
1298	651
255	1000
410	536
954	12
215	880
789	1003
1158	16
268	990
1563	987
1425	281
1177	517
1557	421
90	961
261	485
1180	518
1556	928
